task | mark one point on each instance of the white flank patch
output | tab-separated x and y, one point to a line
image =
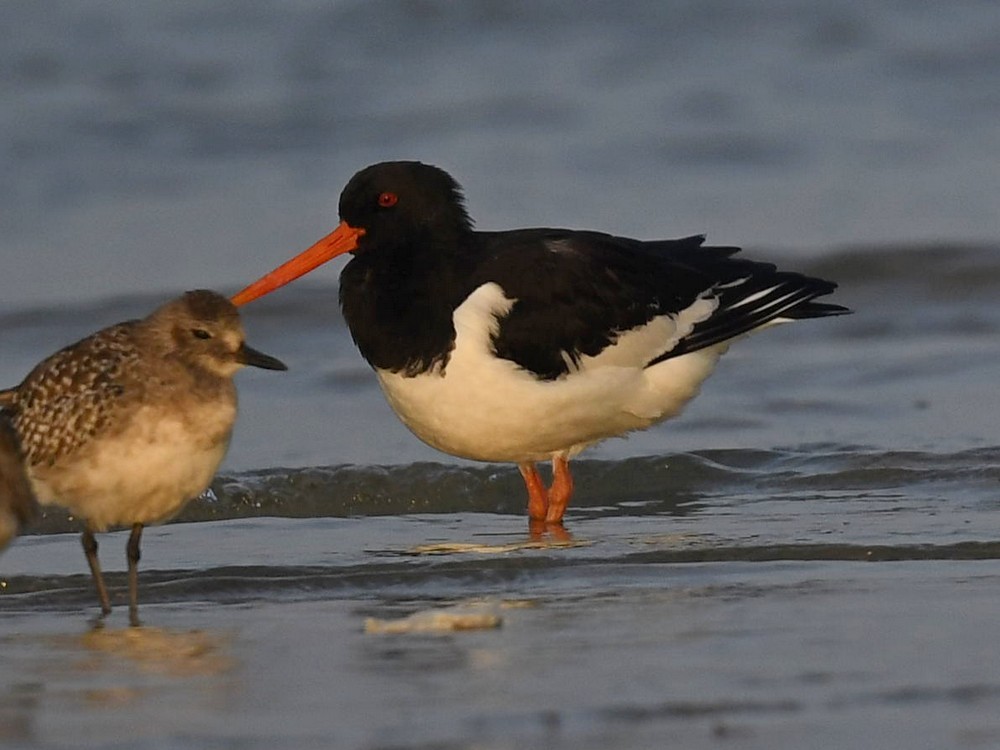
638	346
490	409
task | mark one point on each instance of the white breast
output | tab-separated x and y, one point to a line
145	474
490	409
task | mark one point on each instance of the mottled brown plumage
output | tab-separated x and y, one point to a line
74	395
126	426
17	501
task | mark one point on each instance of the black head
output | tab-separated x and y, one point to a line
394	208
399	203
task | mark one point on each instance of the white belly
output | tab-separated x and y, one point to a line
490	409
144	475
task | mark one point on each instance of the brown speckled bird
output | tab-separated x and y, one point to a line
126	426
17	501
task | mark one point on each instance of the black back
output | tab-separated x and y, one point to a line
575	292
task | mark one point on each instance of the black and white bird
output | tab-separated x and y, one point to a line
17	500
532	344
126	426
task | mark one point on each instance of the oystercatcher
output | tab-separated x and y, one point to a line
126	426
532	344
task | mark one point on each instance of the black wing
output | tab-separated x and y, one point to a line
577	292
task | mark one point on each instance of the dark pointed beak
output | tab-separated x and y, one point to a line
247	355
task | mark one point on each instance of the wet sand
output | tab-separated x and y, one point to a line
605	642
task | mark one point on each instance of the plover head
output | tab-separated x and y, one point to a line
203	329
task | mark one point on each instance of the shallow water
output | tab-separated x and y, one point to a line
807	557
647	627
823	597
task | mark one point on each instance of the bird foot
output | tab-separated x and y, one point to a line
544	531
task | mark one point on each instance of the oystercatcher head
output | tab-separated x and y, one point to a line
533	344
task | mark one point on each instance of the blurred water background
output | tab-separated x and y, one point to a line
808	556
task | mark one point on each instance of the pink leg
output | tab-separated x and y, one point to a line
561	490
538	497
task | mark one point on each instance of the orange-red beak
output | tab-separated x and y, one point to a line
341	240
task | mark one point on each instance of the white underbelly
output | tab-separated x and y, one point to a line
144	475
490	409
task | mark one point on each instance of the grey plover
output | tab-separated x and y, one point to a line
126	426
17	500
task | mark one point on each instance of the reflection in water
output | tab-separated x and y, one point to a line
159	651
155	651
64	688
549	533
18	706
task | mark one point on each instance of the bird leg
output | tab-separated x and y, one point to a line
132	551
561	490
90	550
538	496
548	505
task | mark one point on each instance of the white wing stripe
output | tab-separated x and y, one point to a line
750	299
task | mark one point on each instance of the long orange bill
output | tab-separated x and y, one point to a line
341	240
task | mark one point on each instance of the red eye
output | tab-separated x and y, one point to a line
387	200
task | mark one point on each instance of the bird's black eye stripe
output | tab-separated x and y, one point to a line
200	333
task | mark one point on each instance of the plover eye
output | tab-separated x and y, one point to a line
200	333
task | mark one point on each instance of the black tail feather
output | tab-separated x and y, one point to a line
817	310
754	301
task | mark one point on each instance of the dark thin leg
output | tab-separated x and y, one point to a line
133	573
90	550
